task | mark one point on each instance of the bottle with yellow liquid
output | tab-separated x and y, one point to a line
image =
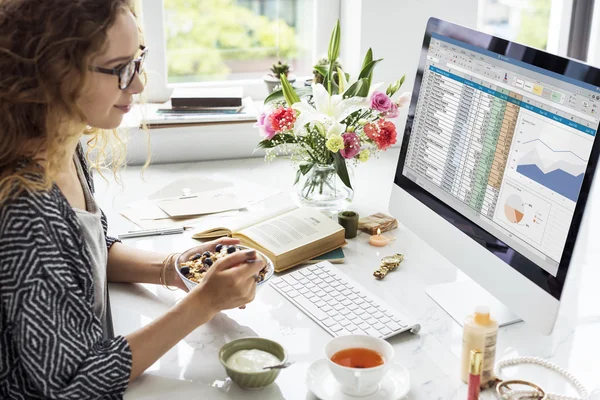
479	333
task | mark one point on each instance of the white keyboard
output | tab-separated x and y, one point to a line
339	304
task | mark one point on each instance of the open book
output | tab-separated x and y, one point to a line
287	235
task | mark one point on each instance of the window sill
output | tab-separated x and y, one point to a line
188	143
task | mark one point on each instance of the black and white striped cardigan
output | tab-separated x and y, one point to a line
51	342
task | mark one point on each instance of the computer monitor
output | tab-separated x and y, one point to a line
495	168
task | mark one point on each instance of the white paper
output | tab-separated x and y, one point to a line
210	202
148	215
253	203
189	186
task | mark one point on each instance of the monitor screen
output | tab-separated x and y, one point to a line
500	141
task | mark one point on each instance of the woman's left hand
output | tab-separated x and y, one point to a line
172	277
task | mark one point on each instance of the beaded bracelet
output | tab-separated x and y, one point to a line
581	390
162	277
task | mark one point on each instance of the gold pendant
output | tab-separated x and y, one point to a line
388	263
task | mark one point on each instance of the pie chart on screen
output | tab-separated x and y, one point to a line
513	209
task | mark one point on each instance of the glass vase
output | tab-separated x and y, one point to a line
323	189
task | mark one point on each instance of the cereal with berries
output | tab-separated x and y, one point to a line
199	264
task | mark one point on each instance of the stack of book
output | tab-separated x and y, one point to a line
205	101
201	105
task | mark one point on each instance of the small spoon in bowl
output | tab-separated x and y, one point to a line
280	366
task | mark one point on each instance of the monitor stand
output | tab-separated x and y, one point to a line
460	298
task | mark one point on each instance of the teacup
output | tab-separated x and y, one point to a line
359	381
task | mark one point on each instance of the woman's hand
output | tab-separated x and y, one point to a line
172	278
230	282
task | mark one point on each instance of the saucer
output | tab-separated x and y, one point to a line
319	380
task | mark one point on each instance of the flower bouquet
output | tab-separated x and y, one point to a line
324	126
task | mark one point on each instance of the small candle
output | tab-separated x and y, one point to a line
378	240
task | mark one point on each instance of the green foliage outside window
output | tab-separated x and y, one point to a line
204	35
534	24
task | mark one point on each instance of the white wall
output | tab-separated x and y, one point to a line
394	29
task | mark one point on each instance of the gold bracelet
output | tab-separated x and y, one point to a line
162	277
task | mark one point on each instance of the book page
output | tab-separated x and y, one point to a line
255	213
292	230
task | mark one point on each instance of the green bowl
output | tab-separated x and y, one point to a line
252	380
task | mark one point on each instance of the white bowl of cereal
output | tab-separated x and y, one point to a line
191	265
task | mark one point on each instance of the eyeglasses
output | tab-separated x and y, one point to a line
126	72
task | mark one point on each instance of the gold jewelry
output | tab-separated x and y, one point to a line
388	263
506	392
162	277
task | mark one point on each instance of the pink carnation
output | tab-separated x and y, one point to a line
283	119
351	145
383	133
264	126
380	102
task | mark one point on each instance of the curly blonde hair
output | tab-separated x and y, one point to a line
45	51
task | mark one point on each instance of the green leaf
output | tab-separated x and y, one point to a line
288	91
281	139
322	69
278	95
303	170
367	71
334	43
298	174
368	58
340	167
359	88
265	144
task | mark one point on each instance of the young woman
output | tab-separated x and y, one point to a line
69	67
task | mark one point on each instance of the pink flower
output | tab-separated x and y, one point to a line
383	133
392	112
283	119
380	102
351	145
264	126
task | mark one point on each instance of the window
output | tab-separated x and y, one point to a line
236	39
562	27
232	42
523	21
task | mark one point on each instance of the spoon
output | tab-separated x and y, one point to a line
280	366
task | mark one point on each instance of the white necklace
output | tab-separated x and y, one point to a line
581	390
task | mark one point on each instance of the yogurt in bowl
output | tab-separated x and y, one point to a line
243	360
252	360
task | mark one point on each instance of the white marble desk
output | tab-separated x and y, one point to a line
192	370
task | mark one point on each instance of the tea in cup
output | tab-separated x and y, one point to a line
359	362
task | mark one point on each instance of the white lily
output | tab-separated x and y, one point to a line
329	111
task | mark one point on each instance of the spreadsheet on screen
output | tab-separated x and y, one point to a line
503	142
